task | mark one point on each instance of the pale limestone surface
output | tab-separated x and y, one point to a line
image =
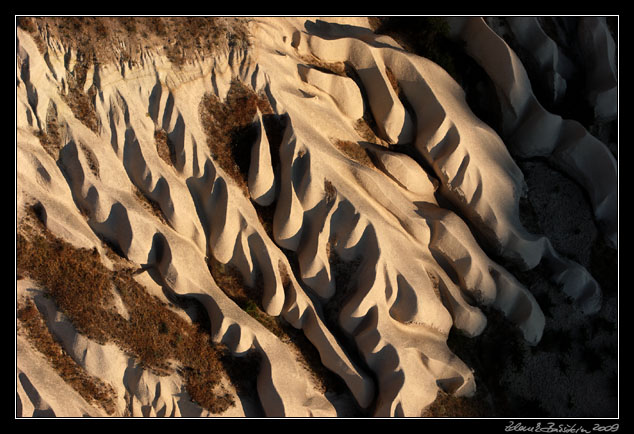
422	271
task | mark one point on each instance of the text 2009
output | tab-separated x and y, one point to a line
605	428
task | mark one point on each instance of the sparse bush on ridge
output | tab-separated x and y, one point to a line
393	81
330	191
93	163
366	129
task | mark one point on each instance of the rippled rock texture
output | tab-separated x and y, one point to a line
309	217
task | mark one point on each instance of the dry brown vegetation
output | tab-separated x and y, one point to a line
331	192
99	40
337	68
93	163
354	151
393	81
81	103
164	147
157	337
249	300
150	205
230	281
230	128
92	389
123	39
367	132
50	138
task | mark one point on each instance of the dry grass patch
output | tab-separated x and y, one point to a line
231	282
50	137
157	337
366	128
337	68
164	147
124	39
93	163
150	205
92	389
117	40
82	103
354	151
249	300
230	128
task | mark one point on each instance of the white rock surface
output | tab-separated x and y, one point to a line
420	270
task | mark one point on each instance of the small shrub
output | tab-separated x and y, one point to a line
331	192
